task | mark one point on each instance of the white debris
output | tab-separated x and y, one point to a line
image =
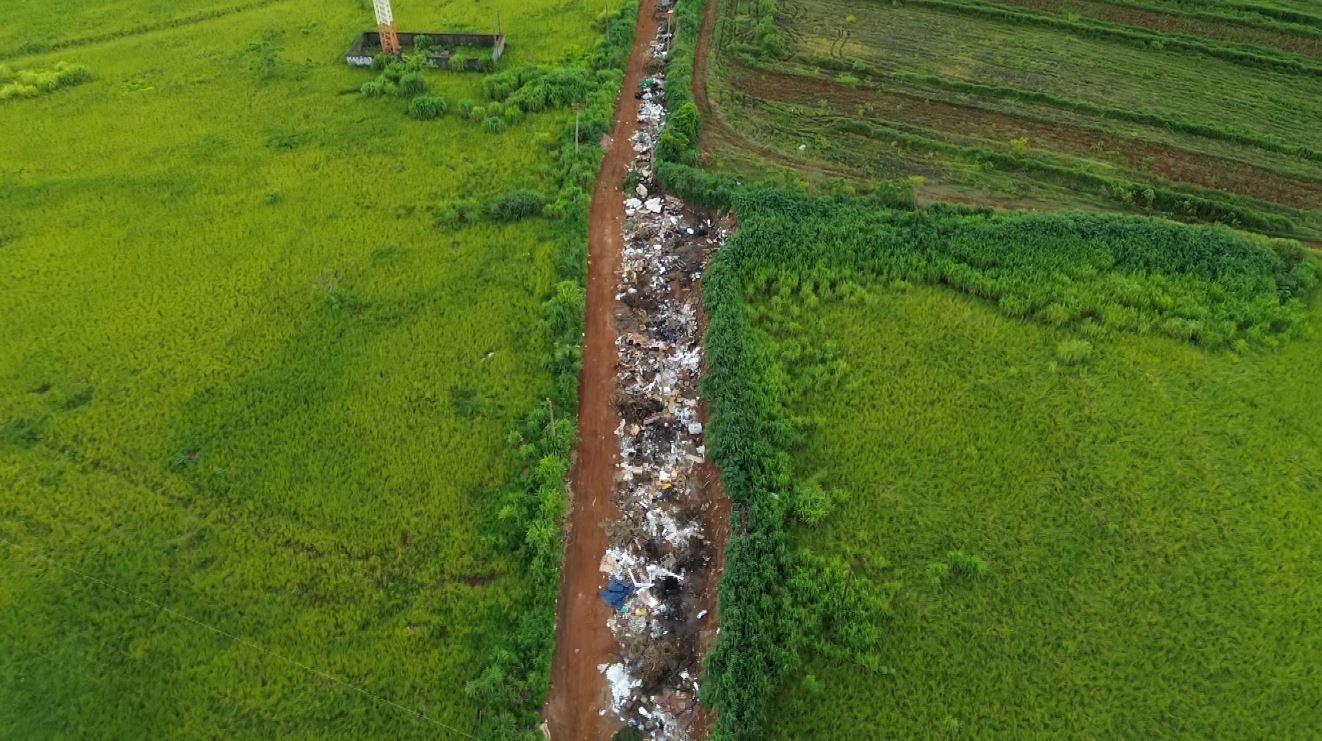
621	684
658	545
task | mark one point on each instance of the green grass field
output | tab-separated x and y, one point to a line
1148	520
1012	475
255	406
1028	104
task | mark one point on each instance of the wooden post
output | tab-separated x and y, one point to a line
551	407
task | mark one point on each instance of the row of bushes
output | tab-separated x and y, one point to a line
1255	56
527	519
31	83
1267	143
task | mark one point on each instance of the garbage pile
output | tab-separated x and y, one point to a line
657	551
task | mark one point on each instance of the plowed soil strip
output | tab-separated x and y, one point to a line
583	640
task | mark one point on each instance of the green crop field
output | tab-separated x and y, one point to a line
1190	113
261	395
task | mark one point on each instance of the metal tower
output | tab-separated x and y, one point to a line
385	21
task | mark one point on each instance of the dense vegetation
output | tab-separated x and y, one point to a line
281	445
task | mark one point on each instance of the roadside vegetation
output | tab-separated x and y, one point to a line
282	439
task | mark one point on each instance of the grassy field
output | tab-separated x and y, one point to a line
1146	518
1011	475
255	404
1029	103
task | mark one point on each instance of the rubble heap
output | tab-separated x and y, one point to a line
658	558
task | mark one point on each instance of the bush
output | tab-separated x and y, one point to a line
493	125
412	84
426	107
466	107
372	88
1074	352
515	205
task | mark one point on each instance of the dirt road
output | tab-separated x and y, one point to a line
582	639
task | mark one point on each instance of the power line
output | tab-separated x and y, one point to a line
245	642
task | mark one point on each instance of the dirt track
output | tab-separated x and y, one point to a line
582	638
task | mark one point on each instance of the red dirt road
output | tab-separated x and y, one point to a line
582	638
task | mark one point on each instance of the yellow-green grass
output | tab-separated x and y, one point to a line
1150	520
253	404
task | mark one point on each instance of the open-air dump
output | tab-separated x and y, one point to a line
659	561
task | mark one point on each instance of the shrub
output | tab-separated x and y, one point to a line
516	204
1074	352
466	107
412	84
493	125
426	107
372	88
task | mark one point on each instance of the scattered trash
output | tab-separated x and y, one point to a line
616	592
657	547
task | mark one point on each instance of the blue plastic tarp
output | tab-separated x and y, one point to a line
616	592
